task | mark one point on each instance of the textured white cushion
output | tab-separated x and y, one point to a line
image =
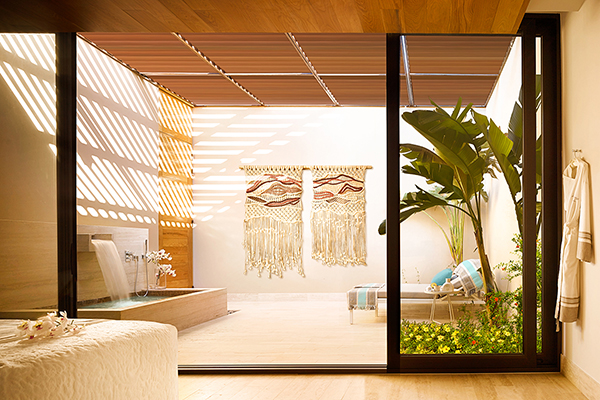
108	360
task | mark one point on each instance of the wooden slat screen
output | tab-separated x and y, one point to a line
175	187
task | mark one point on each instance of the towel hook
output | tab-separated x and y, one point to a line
577	153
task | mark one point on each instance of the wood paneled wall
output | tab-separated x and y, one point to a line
175	188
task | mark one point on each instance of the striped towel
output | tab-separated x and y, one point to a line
466	275
364	296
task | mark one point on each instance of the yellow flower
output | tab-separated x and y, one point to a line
440	337
426	329
419	337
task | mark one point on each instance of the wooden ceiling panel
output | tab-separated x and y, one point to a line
286	90
457	54
445	91
150	52
307	16
207	90
249	52
358	90
345	53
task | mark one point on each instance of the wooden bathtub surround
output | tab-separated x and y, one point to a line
185	308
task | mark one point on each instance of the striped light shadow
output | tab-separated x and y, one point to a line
175	157
147	186
213	116
208	161
205	124
276	116
174	115
200	202
260	126
201	209
110	131
243	134
86	176
224	178
217	152
104	177
217	187
35	48
222	143
38	100
124	187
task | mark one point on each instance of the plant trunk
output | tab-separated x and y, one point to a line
489	284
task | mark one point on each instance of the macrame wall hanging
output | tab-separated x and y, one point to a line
273	219
338	215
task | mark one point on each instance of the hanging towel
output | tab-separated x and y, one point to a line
576	239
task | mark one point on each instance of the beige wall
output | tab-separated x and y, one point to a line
581	88
117	147
28	172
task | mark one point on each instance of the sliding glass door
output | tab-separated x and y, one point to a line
472	257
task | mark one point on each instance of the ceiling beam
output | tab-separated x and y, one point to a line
216	67
311	67
409	87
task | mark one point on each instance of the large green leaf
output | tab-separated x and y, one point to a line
453	143
429	165
501	146
415	202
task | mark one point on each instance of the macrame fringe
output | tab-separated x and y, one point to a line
339	238
273	245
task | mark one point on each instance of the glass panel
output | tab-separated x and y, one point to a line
28	241
239	318
539	162
460	252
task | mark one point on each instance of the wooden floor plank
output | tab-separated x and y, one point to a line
548	386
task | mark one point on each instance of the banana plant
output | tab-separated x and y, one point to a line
458	164
508	151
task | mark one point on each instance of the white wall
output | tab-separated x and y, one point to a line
500	220
117	148
298	136
581	86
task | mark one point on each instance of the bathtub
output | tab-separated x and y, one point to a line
182	308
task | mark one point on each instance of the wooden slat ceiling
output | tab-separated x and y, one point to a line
275	16
351	66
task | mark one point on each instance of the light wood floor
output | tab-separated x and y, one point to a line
384	387
282	332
